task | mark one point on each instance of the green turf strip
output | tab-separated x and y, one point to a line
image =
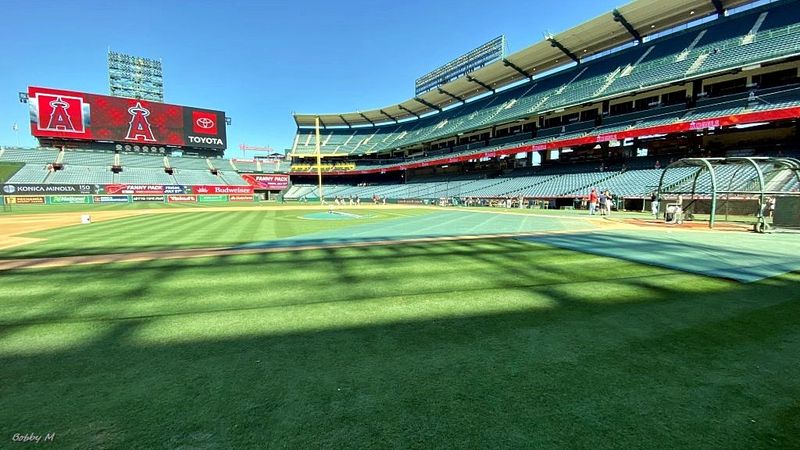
473	344
8	169
744	257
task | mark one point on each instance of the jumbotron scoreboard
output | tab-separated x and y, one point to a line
70	115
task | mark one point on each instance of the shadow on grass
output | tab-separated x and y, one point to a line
743	257
566	350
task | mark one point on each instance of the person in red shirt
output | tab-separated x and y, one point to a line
592	201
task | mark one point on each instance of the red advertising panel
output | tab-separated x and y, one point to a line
273	182
240	190
64	114
139	189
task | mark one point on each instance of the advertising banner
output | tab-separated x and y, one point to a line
23	189
78	115
240	198
111	199
143	189
176	189
272	182
148	198
181	198
222	190
212	198
25	200
68	199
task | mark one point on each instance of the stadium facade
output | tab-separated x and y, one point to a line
632	89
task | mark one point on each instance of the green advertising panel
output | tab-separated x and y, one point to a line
212	198
69	199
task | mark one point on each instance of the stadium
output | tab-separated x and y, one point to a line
591	242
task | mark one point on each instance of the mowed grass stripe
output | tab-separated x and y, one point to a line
251	227
185	230
130	234
158	231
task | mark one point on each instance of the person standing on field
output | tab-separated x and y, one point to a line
592	201
601	200
654	204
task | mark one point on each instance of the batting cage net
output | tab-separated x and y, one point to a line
757	192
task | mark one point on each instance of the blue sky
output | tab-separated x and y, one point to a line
260	61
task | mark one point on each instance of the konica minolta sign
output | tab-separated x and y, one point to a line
39	189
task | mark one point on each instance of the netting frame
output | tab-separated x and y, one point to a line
790	166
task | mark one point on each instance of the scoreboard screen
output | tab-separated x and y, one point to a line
57	113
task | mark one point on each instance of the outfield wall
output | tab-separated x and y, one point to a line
127	198
80	194
120	189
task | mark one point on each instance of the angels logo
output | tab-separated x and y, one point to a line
59	116
139	129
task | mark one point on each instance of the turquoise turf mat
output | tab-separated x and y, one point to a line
745	257
435	224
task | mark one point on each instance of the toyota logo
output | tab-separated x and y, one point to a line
205	122
9	189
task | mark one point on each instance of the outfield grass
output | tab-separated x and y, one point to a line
8	169
190	230
463	344
199	228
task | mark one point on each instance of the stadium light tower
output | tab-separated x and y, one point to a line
135	77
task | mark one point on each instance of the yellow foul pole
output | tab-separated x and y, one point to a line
319	163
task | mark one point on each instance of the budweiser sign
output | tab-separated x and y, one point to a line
222	190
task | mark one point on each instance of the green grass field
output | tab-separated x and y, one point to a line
8	169
484	343
196	229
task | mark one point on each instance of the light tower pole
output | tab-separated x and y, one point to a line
319	162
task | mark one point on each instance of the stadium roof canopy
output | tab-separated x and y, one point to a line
631	22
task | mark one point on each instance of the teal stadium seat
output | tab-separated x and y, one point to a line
700	50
